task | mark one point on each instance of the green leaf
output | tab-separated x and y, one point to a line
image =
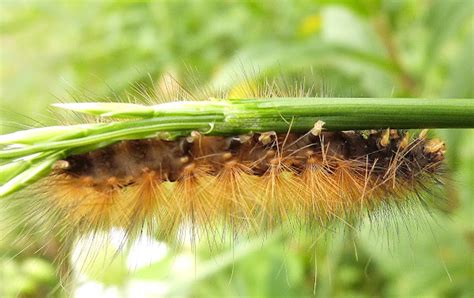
45	134
109	109
30	175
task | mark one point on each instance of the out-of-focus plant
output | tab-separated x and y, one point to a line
372	48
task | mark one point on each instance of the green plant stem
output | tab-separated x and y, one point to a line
115	132
218	117
363	113
34	172
252	115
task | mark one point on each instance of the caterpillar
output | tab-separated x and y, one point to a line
245	181
223	164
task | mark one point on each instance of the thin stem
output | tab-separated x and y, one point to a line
29	155
341	113
117	131
363	113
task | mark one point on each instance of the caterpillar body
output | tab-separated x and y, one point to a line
245	182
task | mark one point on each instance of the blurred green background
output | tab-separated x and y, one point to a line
53	50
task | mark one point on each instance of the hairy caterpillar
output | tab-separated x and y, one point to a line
239	181
249	181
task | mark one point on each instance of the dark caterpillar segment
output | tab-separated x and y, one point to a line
377	150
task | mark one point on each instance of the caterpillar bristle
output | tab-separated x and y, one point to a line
247	184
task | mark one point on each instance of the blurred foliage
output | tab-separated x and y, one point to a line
372	48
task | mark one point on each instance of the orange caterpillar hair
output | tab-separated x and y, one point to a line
244	183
